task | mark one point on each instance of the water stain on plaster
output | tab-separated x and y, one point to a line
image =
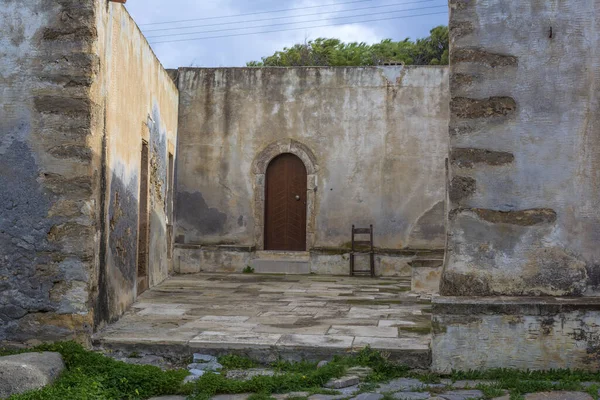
193	211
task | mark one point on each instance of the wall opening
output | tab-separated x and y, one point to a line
259	169
285	204
143	222
169	210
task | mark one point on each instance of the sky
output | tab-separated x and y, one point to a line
287	21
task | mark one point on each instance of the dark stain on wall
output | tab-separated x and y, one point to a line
194	212
529	217
123	220
29	266
480	56
463	107
461	187
468	157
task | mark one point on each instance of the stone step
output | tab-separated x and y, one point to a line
288	266
283	255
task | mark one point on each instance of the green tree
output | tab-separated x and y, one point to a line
432	50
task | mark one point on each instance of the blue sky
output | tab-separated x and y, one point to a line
310	19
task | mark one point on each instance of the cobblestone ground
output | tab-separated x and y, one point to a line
251	311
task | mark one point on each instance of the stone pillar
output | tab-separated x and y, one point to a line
524	187
49	169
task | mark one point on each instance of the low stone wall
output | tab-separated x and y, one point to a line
191	259
511	332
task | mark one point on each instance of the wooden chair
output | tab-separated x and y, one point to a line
359	247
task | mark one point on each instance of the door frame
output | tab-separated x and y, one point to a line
259	170
270	180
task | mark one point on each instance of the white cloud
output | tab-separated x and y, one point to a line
237	50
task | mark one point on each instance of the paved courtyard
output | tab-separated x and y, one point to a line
269	316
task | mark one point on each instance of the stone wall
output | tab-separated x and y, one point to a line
373	140
49	168
524	188
524	148
78	81
141	103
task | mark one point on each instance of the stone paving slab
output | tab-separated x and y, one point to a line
319	315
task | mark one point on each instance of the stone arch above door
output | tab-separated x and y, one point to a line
259	170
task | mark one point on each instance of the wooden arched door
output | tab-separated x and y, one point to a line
285	204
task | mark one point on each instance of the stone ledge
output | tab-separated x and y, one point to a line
225	247
506	305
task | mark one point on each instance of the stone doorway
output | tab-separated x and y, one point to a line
285	204
143	222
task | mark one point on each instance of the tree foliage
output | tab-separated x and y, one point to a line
432	50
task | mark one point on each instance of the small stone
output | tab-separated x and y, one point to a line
321	364
191	378
361	372
327	397
349	391
462	395
197	372
343	382
204	358
247	374
558	396
28	371
400	385
241	396
209	366
290	395
411	396
368	396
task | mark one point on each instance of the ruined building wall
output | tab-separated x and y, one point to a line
49	169
524	188
524	148
67	118
378	136
141	103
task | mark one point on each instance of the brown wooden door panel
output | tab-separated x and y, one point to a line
285	204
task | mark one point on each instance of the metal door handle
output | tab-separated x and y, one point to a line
297	198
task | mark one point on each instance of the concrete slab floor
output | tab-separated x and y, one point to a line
271	316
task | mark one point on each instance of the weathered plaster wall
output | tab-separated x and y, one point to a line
49	169
77	82
524	148
523	333
141	103
378	136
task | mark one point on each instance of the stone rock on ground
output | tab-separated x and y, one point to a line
401	384
247	374
368	396
204	358
289	395
343	382
462	395
241	396
321	364
28	371
411	396
327	397
558	396
208	366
